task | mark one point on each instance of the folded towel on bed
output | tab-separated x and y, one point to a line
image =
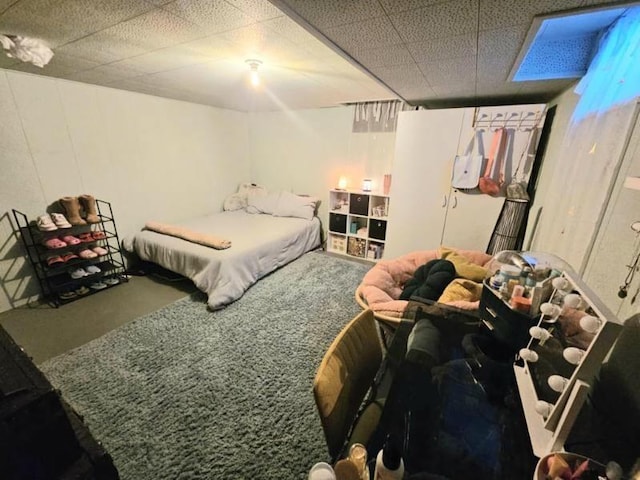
189	235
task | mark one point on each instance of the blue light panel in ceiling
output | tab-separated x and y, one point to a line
563	46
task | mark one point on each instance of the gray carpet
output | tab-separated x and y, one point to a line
185	393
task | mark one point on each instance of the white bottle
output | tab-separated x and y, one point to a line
389	464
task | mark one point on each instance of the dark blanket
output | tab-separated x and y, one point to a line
430	280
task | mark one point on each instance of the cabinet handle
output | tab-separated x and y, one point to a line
444	201
455	201
492	312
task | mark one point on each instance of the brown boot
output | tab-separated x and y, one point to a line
71	207
89	206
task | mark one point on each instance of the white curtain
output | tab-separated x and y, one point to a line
377	116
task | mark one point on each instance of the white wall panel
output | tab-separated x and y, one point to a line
153	158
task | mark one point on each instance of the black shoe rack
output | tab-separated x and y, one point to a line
56	283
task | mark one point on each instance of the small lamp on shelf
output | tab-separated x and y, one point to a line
366	185
342	183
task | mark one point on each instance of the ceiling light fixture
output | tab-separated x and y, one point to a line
253	65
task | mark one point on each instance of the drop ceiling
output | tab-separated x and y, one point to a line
315	53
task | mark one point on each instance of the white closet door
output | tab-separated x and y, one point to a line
426	143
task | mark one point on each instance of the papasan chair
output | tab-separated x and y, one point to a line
382	286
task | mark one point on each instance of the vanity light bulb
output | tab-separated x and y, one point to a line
573	300
543	408
540	334
573	355
557	383
590	324
550	312
560	283
528	355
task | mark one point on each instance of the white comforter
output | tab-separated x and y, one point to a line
259	244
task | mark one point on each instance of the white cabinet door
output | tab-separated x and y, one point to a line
470	220
426	143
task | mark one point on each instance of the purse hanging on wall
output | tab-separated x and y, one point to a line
467	167
517	188
487	184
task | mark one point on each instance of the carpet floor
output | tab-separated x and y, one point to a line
187	393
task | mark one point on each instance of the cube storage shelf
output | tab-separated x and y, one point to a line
357	224
56	279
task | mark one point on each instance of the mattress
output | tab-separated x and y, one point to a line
260	244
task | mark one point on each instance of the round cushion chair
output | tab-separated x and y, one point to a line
381	286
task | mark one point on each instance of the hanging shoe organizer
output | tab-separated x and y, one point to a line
73	271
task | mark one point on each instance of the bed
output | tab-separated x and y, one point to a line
260	243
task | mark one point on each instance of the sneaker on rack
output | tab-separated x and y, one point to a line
92	269
82	290
78	273
111	280
67	295
98	285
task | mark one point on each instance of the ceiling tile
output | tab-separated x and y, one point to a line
397	6
259	10
213	16
141	34
59	65
502	13
497	52
409	77
443	48
332	13
6	62
69	19
288	29
448	19
389	56
374	33
454	71
164	59
94	77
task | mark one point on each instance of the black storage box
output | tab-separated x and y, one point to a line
40	436
505	324
337	223
377	229
359	204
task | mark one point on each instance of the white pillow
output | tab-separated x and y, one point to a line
263	203
292	205
251	189
235	201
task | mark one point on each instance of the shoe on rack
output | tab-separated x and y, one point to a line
86	253
70	240
54	260
86	237
92	269
78	273
45	224
111	281
60	220
71	207
100	251
82	290
98	235
98	285
69	256
53	243
88	203
67	295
